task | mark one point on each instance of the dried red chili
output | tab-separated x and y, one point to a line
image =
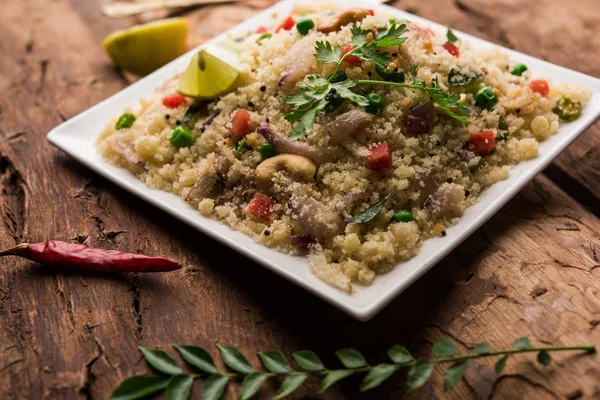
88	259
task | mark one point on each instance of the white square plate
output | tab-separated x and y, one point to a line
77	136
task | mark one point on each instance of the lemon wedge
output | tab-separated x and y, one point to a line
144	48
212	73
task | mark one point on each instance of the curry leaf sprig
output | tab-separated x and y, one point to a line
177	384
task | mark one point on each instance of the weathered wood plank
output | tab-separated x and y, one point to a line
533	270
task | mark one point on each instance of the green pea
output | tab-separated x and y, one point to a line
267	150
125	121
376	103
486	98
403	216
305	25
241	146
519	69
182	137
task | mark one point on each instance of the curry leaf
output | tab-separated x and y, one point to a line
370	213
351	358
198	357
333	377
377	376
521	343
214	386
500	364
454	374
235	360
290	384
309	361
251	385
161	361
444	347
419	373
275	361
400	355
482	348
451	36
179	387
544	358
137	387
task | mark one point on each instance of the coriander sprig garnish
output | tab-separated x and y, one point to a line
178	384
323	95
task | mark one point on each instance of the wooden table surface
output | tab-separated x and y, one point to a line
532	270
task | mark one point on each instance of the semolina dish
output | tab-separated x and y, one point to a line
341	135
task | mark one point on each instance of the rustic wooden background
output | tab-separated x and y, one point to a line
532	270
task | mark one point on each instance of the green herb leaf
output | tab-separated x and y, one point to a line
308	360
370	212
454	374
351	358
198	357
241	146
191	115
392	36
457	78
482	348
444	347
332	377
449	103
500	364
343	89
369	52
251	385
326	54
179	387
290	384
544	358
400	355
214	386
359	37
161	361
139	386
235	360
263	37
451	36
522	343
377	376
306	119
419	373
274	361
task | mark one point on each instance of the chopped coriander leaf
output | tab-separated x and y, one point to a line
476	164
392	36
451	36
327	54
502	131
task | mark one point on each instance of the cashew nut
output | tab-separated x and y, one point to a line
297	167
334	23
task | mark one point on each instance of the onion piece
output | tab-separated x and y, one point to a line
349	125
420	119
319	155
316	219
300	61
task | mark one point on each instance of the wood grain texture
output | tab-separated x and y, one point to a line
533	270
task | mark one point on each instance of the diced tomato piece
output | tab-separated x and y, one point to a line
483	142
372	12
287	25
380	157
173	100
261	206
352	60
262	29
540	86
452	49
240	123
